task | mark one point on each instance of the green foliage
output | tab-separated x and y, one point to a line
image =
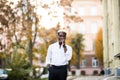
48	36
45	70
20	67
44	79
77	43
78	47
17	21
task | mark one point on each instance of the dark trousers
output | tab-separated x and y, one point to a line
58	72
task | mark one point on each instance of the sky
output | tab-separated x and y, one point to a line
56	15
46	20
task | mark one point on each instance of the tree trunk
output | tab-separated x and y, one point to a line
30	46
78	61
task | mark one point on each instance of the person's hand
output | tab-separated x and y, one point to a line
48	65
65	48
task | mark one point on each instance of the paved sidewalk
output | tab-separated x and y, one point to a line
85	78
112	78
93	78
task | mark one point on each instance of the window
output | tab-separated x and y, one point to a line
81	11
82	28
83	63
94	27
93	45
93	10
85	43
94	62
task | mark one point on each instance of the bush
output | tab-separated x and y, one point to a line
20	68
18	74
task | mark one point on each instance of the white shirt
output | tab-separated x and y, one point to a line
57	56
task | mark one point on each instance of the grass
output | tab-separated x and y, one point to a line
42	79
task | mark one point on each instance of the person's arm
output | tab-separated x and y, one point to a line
48	57
68	54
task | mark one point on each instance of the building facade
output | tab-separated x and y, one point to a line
111	34
91	13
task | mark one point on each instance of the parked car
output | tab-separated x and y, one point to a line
3	74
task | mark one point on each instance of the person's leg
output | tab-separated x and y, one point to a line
52	74
62	74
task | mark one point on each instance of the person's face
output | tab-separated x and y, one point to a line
61	37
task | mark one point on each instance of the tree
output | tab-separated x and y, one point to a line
99	46
56	9
28	20
78	47
19	23
48	37
6	17
60	9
